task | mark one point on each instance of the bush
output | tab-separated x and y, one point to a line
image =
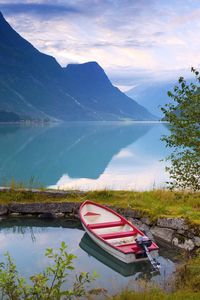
46	285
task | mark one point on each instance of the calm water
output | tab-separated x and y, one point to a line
84	155
26	240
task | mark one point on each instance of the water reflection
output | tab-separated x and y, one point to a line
82	154
92	249
28	254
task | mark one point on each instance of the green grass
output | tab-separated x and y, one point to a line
156	203
156	294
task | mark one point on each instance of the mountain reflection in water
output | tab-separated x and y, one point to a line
74	151
26	239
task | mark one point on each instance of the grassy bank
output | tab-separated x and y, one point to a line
156	203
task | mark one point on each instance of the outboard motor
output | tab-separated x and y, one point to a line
144	242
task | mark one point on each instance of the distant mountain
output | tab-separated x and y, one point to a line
89	83
152	96
34	86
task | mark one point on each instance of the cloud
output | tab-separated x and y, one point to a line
134	41
38	9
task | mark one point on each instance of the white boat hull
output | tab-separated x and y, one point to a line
127	258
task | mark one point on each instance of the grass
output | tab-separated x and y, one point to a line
156	294
154	204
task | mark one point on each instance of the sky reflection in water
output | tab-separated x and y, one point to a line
27	239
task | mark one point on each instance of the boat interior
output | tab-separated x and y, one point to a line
110	227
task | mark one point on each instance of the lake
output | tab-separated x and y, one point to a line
87	155
27	238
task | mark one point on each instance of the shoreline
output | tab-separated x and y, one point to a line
97	122
175	230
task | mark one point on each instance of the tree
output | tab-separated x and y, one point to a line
183	115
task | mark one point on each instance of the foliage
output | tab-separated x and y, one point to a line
46	285
183	114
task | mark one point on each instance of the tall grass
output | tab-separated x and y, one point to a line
154	204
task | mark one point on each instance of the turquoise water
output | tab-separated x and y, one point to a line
84	155
26	240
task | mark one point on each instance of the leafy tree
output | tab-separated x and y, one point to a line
46	285
183	115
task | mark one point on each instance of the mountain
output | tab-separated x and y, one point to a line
34	86
89	83
152	96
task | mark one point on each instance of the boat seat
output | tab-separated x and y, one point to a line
105	224
91	214
129	247
116	235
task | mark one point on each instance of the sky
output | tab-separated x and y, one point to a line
135	41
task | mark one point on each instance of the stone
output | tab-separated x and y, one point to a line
181	231
76	216
59	215
173	223
15	214
130	213
76	208
183	243
135	222
37	208
46	216
197	241
185	233
3	210
141	226
146	220
165	234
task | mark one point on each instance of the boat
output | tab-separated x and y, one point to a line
116	235
126	270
